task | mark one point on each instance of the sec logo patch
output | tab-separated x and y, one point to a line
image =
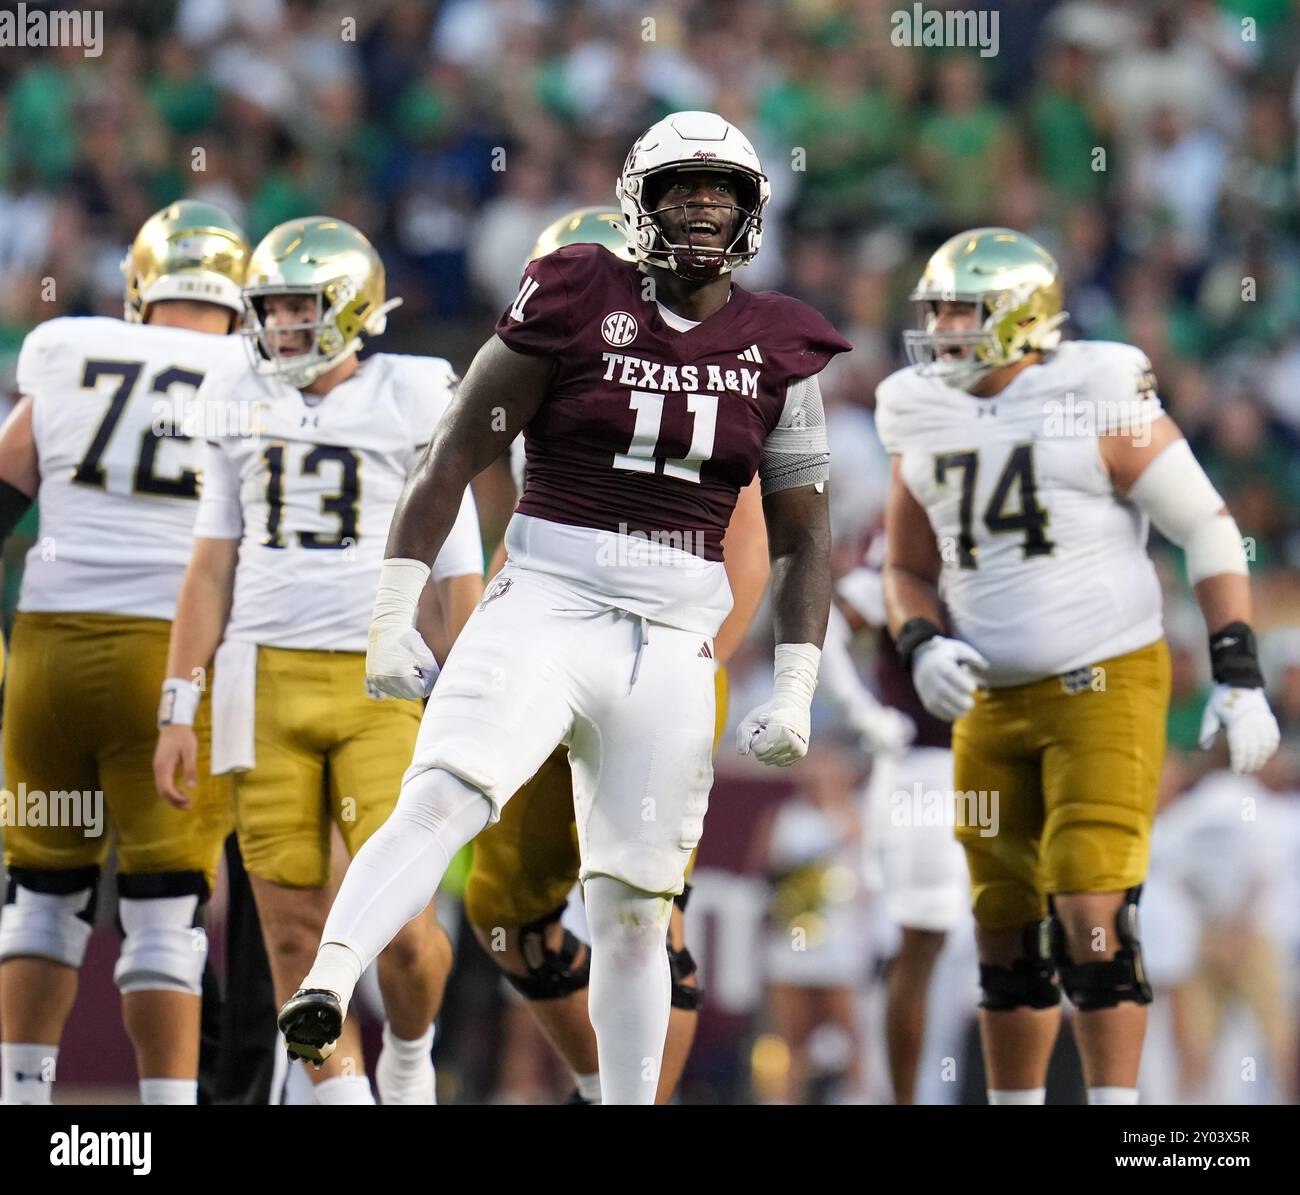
618	328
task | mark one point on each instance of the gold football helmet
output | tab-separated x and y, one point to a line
1015	285
324	257
188	250
586	226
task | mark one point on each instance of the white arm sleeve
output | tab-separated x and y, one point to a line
1184	506
220	515
840	684
795	452
462	553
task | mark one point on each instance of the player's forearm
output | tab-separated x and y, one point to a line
1224	599
908	596
747	590
748	570
201	613
799	547
459	596
428	506
431	622
500	393
801	588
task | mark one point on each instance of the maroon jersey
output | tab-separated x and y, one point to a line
647	430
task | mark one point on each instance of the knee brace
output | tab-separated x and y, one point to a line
1030	982
1093	986
163	948
48	914
551	973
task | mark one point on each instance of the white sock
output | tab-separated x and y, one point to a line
589	1086
169	1091
1112	1095
27	1073
336	969
1026	1095
408	1050
394	876
630	993
345	1089
404	1073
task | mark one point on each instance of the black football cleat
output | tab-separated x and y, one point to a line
311	1021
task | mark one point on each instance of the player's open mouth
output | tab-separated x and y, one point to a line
703	233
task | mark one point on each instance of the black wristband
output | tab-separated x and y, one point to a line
1232	657
911	635
13	505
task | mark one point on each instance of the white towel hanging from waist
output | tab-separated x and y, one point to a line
234	707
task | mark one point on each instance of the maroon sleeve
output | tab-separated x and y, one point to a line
820	341
540	320
800	341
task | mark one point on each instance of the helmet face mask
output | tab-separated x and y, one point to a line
334	264
700	262
691	141
1014	288
267	338
956	357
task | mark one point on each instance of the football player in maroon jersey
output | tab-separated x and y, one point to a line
649	393
524	866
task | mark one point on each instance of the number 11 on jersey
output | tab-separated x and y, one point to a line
640	456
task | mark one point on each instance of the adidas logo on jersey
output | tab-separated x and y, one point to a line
704	652
751	354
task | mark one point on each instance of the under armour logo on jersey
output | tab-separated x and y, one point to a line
705	652
986	409
751	354
309	421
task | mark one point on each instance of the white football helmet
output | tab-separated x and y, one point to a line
692	141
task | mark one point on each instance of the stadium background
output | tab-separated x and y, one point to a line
1151	146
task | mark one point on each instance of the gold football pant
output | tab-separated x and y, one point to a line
525	865
325	752
80	716
1064	784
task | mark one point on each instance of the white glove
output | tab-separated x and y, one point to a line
946	675
882	730
777	732
1252	730
398	661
